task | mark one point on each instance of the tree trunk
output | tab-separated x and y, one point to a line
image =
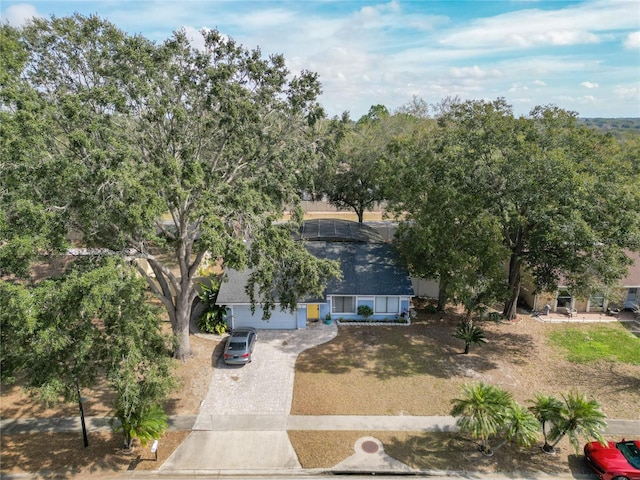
466	348
442	293
183	304
510	306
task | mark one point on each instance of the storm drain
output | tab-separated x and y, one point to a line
369	447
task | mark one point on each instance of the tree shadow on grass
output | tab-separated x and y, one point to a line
432	350
424	348
18	403
45	452
453	451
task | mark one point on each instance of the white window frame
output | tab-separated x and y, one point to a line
385	299
334	306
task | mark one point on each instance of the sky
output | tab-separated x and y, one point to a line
582	56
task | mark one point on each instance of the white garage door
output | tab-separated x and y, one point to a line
241	317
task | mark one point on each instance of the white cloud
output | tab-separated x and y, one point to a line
268	18
628	92
18	15
539	83
632	41
475	72
518	87
534	27
589	85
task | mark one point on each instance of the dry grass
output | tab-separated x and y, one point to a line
414	370
417	370
434	451
65	453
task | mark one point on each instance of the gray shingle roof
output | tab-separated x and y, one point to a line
367	268
369	265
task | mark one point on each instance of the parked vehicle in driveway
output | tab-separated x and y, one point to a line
614	461
239	346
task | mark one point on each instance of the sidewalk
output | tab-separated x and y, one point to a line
265	437
265	423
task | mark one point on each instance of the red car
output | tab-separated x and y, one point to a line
614	461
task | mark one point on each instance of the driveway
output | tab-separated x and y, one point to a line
243	419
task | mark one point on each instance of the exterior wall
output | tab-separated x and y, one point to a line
325	309
301	317
241	317
632	297
404	303
425	287
323	206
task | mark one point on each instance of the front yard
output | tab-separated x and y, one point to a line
399	370
418	370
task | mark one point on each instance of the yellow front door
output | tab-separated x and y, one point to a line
313	311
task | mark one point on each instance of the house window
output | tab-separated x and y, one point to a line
632	298
343	305
564	298
596	302
387	304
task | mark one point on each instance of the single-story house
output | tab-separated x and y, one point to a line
563	299
371	275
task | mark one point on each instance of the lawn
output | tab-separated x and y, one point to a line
399	370
418	370
584	345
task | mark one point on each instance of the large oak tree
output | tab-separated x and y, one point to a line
170	154
537	193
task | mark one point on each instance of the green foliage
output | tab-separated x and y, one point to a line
471	334
146	424
365	311
547	410
284	270
93	322
578	418
495	317
431	308
486	411
483	188
213	318
149	146
353	175
590	343
520	426
574	416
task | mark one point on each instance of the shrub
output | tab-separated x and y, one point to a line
431	308
365	311
213	317
495	317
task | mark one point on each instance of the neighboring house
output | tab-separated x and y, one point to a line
562	298
371	275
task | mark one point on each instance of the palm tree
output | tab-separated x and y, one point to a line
470	334
547	409
482	411
146	424
579	417
521	427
